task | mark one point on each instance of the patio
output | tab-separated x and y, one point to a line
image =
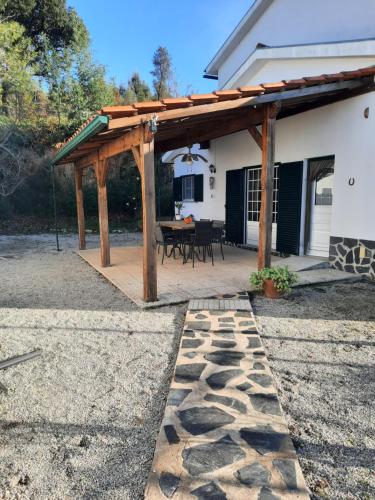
150	127
179	282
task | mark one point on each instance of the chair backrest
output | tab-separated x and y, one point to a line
204	220
218	223
158	233
203	232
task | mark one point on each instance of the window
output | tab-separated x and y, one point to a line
254	194
323	190
188	188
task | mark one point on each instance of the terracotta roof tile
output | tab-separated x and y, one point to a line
203	98
333	77
273	87
295	84
227	95
149	106
250	90
128	110
348	75
367	71
177	102
315	80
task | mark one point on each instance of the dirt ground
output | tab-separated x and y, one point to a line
321	345
81	420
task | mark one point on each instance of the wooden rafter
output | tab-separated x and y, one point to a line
256	135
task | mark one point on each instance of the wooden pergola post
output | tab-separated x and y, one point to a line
268	162
101	167
78	174
144	157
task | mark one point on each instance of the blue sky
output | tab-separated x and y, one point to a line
125	34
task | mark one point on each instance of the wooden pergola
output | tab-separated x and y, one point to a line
172	123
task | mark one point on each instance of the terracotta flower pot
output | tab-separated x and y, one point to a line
270	291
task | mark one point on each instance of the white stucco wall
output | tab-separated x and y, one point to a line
338	129
291	22
287	69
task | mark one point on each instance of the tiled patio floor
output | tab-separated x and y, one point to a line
223	434
179	282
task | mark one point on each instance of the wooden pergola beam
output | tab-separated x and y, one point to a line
101	169
256	135
144	158
78	174
125	142
268	163
208	132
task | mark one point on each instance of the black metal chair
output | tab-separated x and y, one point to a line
202	239
164	238
218	234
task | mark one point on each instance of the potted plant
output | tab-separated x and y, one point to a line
178	205
274	281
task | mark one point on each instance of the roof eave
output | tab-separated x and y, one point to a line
243	27
98	124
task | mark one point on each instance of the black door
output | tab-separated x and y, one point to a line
234	206
289	207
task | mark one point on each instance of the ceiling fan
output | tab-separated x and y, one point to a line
189	157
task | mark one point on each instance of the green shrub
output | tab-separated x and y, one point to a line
282	278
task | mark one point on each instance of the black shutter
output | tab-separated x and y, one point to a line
177	189
289	207
234	206
198	187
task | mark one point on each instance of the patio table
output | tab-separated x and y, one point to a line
177	225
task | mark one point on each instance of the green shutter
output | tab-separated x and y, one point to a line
177	189
234	206
289	207
198	187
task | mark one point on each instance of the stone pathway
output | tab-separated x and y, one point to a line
223	435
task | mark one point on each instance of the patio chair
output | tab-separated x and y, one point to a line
202	239
164	238
218	234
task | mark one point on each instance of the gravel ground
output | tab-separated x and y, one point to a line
80	421
321	345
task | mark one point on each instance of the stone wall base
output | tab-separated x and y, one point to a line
353	255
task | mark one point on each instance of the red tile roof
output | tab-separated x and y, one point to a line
140	108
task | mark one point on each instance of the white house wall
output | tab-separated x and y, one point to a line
292	22
288	69
338	129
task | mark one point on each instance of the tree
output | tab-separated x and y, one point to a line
137	90
88	91
19	157
17	87
162	73
49	20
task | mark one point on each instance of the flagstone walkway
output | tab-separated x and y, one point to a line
223	435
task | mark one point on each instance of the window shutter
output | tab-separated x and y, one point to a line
198	187
289	207
177	189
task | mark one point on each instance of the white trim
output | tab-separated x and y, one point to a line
243	27
256	60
